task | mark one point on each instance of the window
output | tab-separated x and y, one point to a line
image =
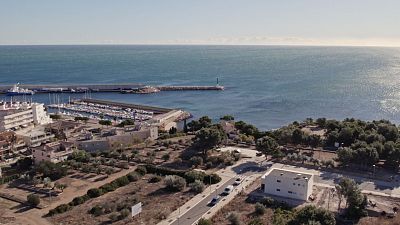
289	192
278	181
298	184
294	184
278	189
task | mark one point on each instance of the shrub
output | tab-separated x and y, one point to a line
94	192
193	175
33	199
234	218
175	183
203	221
79	200
109	187
214	178
141	170
256	221
124	213
259	209
197	186
122	181
165	157
96	210
113	217
132	177
196	161
155	179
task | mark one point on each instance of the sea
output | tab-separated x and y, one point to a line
268	86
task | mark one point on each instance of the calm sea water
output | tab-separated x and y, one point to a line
266	86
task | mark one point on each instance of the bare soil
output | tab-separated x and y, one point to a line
157	202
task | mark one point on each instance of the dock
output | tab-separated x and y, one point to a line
133	88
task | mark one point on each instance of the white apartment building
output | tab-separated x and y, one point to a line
288	184
54	152
16	116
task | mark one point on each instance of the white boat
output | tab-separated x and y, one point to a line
16	90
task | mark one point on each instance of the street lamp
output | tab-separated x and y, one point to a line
374	170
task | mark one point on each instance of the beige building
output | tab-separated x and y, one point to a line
53	152
288	184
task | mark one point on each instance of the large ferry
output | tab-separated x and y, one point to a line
16	90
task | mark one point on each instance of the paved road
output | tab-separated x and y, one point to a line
202	207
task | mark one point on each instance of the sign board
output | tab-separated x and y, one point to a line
136	209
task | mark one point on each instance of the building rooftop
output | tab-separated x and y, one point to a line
290	174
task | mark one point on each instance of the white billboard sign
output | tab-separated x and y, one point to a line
136	209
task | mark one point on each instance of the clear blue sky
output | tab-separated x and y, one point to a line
335	22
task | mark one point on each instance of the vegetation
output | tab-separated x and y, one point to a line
52	170
105	122
313	215
203	221
81	118
195	125
259	209
234	218
128	122
197	186
228	118
356	202
33	200
174	183
55	116
208	138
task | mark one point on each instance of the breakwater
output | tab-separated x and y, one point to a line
122	88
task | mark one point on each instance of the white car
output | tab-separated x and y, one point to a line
227	190
237	181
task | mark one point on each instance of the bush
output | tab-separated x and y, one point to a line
203	221
132	177
234	218
196	161
122	181
124	213
197	186
175	183
96	210
94	192
79	200
259	209
193	175
165	157
33	200
214	178
113	217
141	170
155	179
256	221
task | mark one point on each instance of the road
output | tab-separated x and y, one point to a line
202	207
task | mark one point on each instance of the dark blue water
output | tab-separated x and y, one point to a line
267	86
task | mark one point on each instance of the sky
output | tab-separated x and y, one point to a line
258	22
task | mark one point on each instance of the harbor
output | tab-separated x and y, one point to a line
128	88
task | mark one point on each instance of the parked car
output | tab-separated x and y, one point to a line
215	200
228	190
237	151
259	154
237	181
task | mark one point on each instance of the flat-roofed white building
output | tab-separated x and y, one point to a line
288	184
16	116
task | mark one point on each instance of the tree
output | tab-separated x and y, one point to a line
33	200
297	136
172	130
105	122
196	161
314	140
234	218
227	118
267	145
196	125
344	156
51	170
197	186
313	214
356	202
259	209
208	138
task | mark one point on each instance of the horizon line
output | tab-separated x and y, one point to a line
203	44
